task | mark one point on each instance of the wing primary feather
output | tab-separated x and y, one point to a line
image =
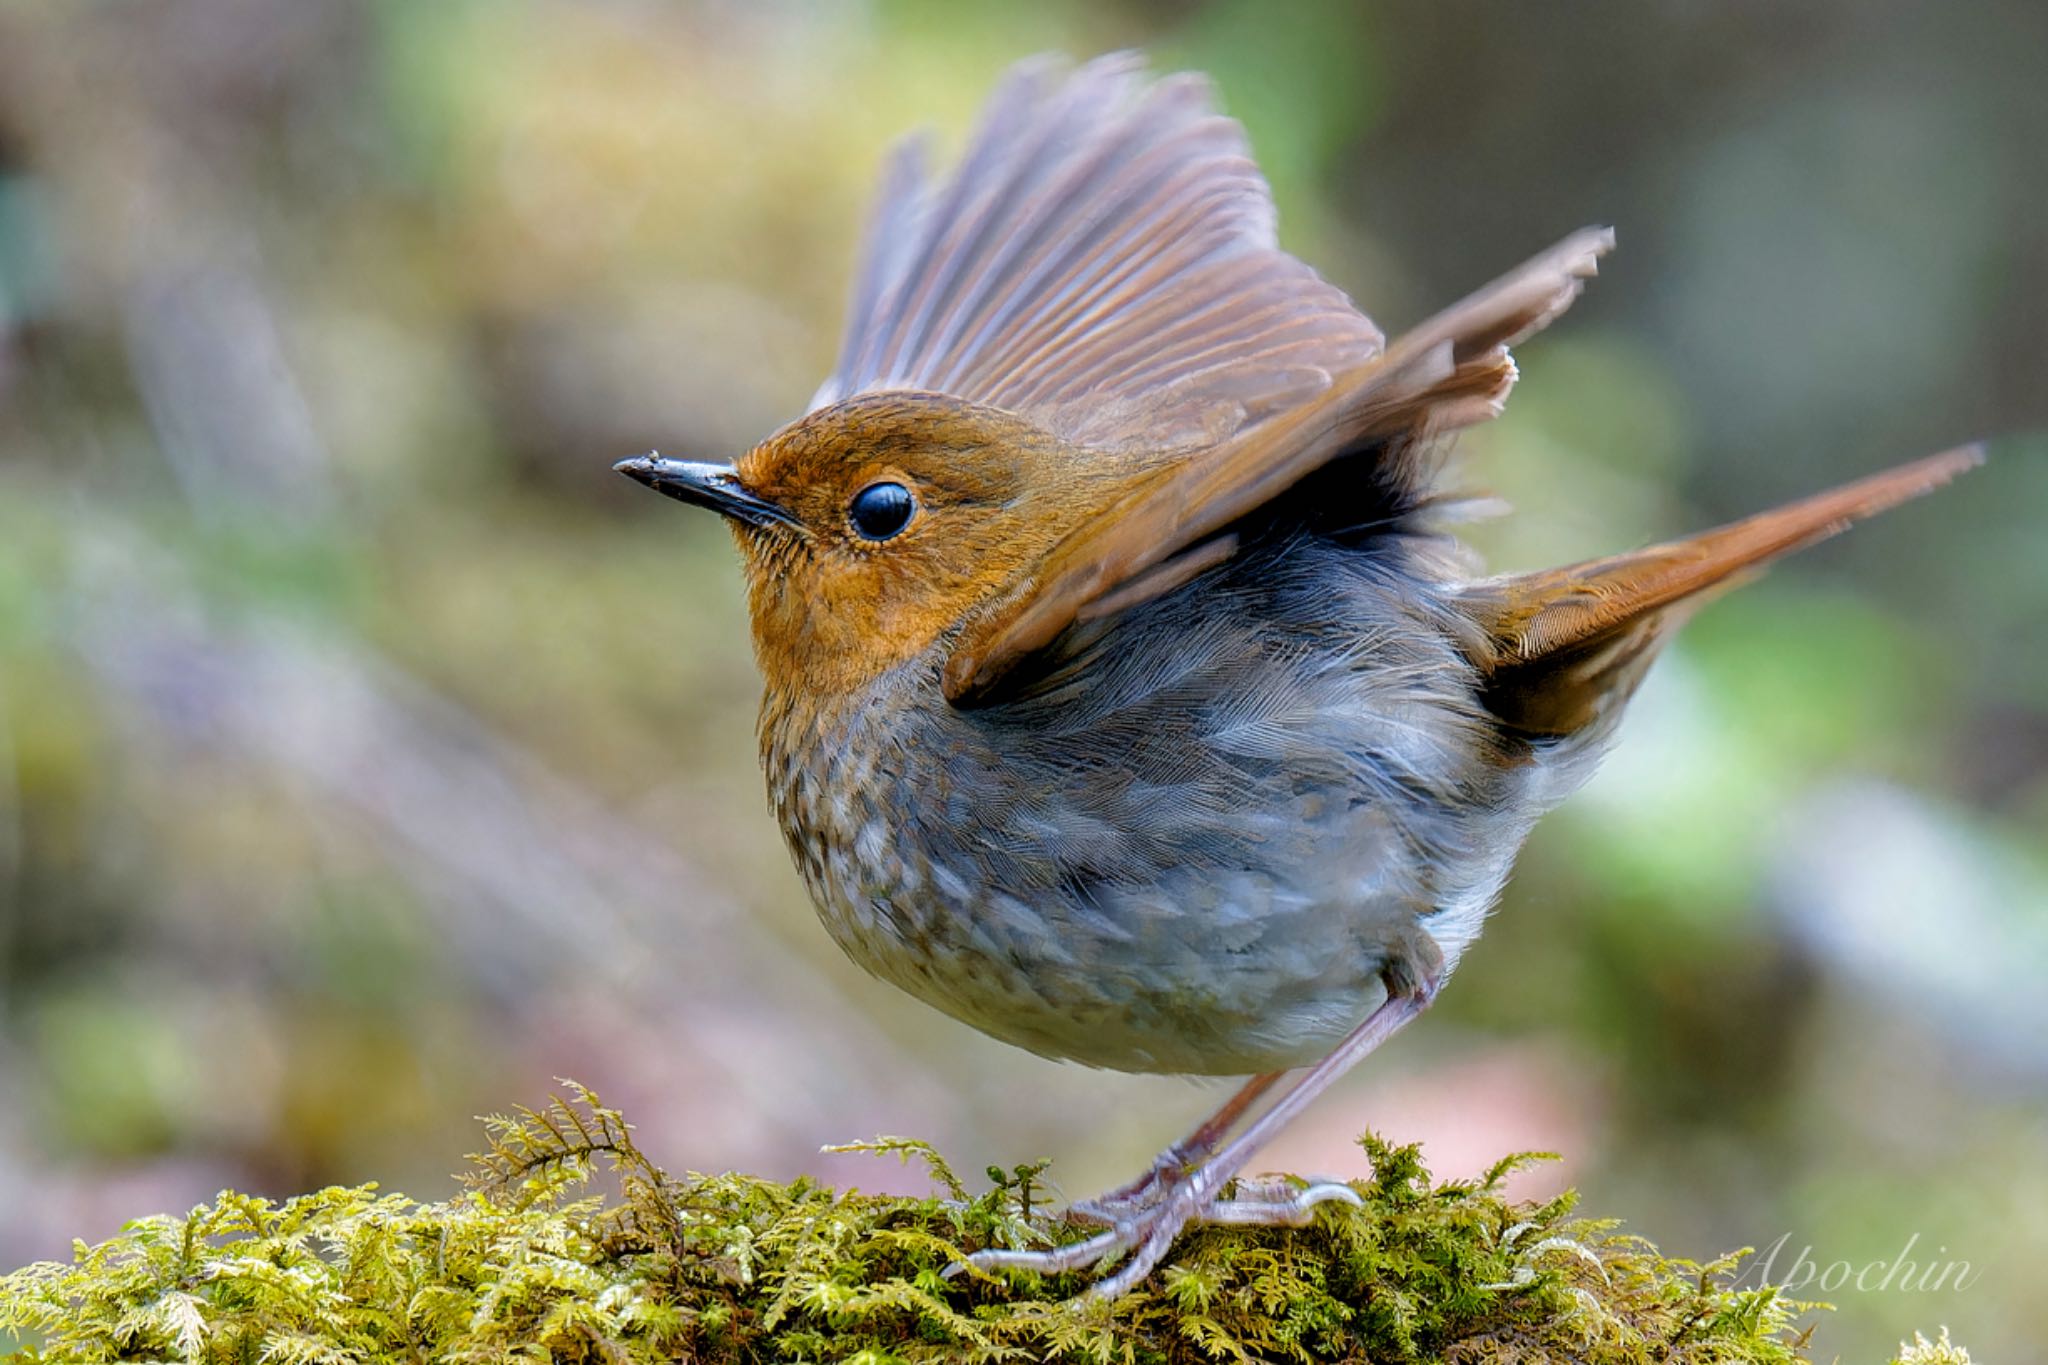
1093	213
1046	238
952	221
892	230
1456	361
1012	158
1150	229
1097	271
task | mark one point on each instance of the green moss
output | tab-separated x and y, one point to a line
531	1263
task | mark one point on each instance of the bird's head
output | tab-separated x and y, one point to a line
873	528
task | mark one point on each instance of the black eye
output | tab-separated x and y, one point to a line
881	510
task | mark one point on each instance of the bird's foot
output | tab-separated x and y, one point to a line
1147	1229
1182	1187
1132	1201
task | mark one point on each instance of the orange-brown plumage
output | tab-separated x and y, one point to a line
1122	698
1561	646
833	611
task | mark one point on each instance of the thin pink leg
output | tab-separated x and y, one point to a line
1153	1237
1379	1026
1173	1163
1148	1232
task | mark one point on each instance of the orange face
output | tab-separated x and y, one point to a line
895	515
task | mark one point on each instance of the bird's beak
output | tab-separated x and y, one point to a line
715	486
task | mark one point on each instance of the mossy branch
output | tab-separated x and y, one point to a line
530	1263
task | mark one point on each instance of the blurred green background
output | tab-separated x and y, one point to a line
370	754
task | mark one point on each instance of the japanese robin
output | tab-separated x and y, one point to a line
1124	696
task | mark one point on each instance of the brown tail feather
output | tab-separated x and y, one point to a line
1564	646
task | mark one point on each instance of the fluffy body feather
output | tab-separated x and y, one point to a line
1201	846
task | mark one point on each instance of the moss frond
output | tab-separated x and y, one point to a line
1921	1351
529	1262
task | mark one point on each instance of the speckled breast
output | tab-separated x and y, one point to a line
1207	876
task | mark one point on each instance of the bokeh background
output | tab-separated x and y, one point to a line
370	754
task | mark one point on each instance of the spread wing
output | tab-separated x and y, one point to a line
1450	372
1103	263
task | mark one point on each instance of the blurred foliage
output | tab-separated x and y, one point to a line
736	1268
368	751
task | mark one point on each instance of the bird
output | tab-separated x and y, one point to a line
1127	694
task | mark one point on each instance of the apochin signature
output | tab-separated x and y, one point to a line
1896	1274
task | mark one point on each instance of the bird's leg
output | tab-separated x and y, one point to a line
1176	1161
1147	1232
1195	1199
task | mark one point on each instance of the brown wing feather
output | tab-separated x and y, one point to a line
1565	645
1451	371
1103	263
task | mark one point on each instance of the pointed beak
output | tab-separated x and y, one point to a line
715	486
